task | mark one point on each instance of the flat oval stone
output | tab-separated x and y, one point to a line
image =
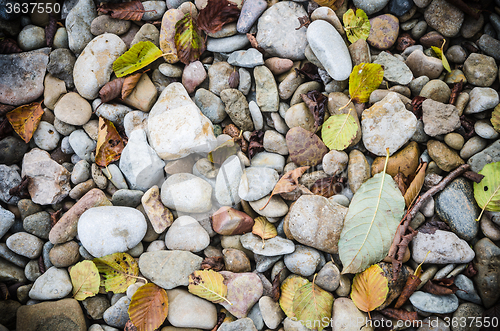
431	303
330	49
384	31
186	193
273	247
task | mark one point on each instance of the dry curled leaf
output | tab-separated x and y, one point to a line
455	91
4	109
400	180
132	11
287	183
412	282
444	286
415	186
400	314
21	190
25	119
129	84
216	14
9	46
111	90
235	133
50	30
310	71
416	104
221	316
234	79
304	21
317	103
433	225
327	186
188	40
470	271
255	144
5	128
109	143
4	291
275	290
253	42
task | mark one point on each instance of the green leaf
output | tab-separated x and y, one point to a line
440	55
313	306
85	279
339	131
188	41
495	118
371	223
363	80
120	270
209	285
357	26
137	57
148	307
487	192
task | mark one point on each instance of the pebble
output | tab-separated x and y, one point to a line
38	224
210	105
73	109
278	65
186	193
299	115
106	24
53	284
489	45
170	70
193	75
455	141
444	17
481	98
277	34
466	289
7	219
54	89
114	235
335	162
330	49
169	269
400	7
432	303
12	150
468	311
257	118
228	181
245	81
61	63
358	170
64	255
115	177
243	291
31	37
81	172
271	312
273	247
384	30
65	314
246	59
270	160
484	129
257	182
480	70
423	65
25	244
264	263
227	44
305	149
78	24
127	198
473	146
370	7
436	90
237	108
218	77
445	158
303	261
456	54
186	233
243	324
167	34
394	70
117	314
489	228
444	246
96	306
487	265
266	90
154	10
82	144
439	118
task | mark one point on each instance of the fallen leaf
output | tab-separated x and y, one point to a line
209	285
416	104
138	56
304	21
400	314
111	90
216	263
327	187
129	326
9	46
287	183
275	289
4	291
402	245
131	11
120	270
369	289
85	279
188	41
129	84
317	103
255	144
148	307
339	131
236	133
109	143
400	180
253	42
216	14
311	304
438	287
470	271
440	55
356	26
25	119
310	71
21	190
234	79
433	225
371	222
455	91
333	4
264	229
50	30
415	186
223	151
487	192
412	282
363	80
288	289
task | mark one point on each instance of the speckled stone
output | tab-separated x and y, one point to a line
461	217
383	32
444	17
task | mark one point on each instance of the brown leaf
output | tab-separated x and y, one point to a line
129	84
111	90
236	134
234	79
327	186
297	193
316	102
5	128
455	91
50	30
217	13
21	190
492	314
474	176
287	183
9	46
109	143
433	225
216	263
275	290
415	186
470	271
397	262
220	319
4	291
129	326
188	40
256	143
304	21
54	217
416	103
411	285
41	265
25	119
310	71
440	286
400	314
131	11
400	179
468	125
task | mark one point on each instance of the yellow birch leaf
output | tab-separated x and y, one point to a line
264	229
369	289
415	186
25	119
440	54
120	270
356	26
109	143
313	306
288	289
209	285
85	279
148	307
363	80
487	192
339	131
137	57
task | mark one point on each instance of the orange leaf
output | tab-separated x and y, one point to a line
369	289
264	229
25	119
109	143
287	183
411	286
129	83
415	186
148	307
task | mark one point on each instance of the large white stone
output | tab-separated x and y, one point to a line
177	127
140	164
186	310
53	284
185	192
94	66
228	182
441	247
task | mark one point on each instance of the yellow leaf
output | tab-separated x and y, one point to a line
85	279
25	119
369	289
339	131
120	270
264	229
209	285
440	54
357	26
148	307
313	306
363	80
415	186
288	289
137	57
109	143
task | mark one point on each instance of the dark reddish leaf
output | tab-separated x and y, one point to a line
216	263
327	186
111	90
41	265
304	21
256	143
416	103
470	271
25	119
455	91
316	102
50	30
216	14
400	179
54	217
468	126
21	190
220	319
5	128
235	133
188	40
129	84
310	71
131	11
411	285
9	46
4	291
433	225
234	79
400	314
440	286
275	290
493	315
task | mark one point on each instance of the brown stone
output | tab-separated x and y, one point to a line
306	148
228	221
445	158
383	32
64	255
236	261
278	65
159	215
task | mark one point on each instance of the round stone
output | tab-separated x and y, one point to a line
73	109
383	32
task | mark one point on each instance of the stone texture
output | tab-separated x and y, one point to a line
439	118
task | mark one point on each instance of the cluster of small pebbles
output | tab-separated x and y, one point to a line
158	201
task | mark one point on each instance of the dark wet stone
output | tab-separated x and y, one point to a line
61	65
490	46
457	207
6	9
487	264
399	7
12	150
